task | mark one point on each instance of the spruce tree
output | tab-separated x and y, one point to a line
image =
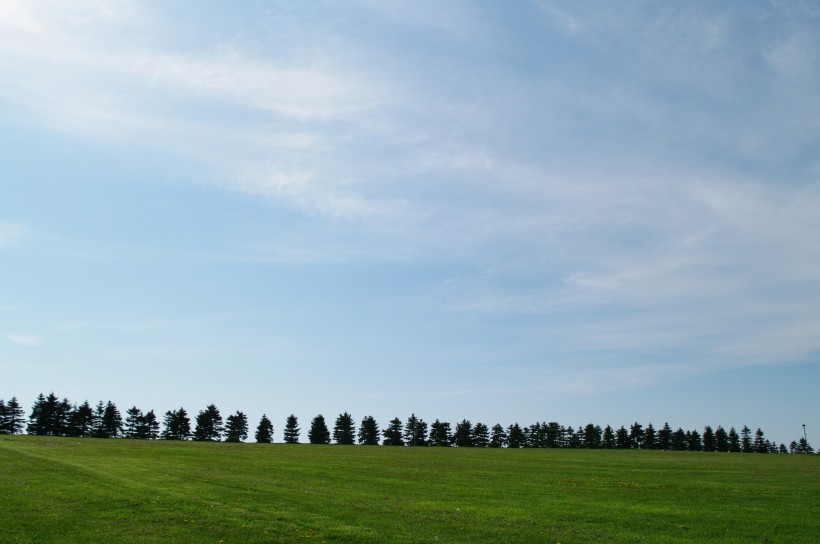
592	436
463	434
415	431
555	435
393	433
665	437
369	432
695	443
291	433
636	436
14	417
150	426
82	421
734	441
498	439
440	433
622	438
515	436
177	425
760	444
746	440
344	430
264	431
480	436
679	441
236	427
134	423
709	440
208	424
318	433
721	439
650	438
4	418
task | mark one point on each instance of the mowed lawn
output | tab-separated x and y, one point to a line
86	490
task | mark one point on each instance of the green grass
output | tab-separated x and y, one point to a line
84	490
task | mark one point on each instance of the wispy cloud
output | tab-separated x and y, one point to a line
10	234
25	340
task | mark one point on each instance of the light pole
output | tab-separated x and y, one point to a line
804	433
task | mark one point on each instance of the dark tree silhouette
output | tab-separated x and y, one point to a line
264	431
515	436
208	424
236	427
177	425
480	436
463	434
415	431
498	439
709	441
608	441
393	433
440	433
344	430
134	423
721	439
291	433
318	433
369	432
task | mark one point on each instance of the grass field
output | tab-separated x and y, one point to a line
85	490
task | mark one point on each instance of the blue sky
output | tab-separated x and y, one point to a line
526	211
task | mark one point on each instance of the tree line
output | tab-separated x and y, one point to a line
52	416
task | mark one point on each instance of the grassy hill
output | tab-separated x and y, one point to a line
85	490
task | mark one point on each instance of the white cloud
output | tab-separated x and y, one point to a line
25	340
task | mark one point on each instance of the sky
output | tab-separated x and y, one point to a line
505	212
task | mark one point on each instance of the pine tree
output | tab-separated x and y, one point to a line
463	434
515	436
665	437
393	433
499	438
369	432
440	433
721	439
709	439
480	436
679	442
291	433
344	430
734	441
36	418
415	431
609	438
622	438
236	427
14	417
592	436
694	443
636	436
82	421
746	440
318	433
4	418
208	424
650	438
134	423
555	435
264	431
760	445
177	425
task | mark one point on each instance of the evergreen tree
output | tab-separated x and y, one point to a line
709	439
177	425
415	431
463	435
665	437
14	418
292	430
480	436
318	432
575	438
82	421
760	444
134	423
4	418
264	431
110	424
208	424
734	441
609	438
499	437
746	440
555	435
236	427
622	441
803	446
393	433
636	436
515	436
650	438
440	433
679	441
97	430
592	436
721	439
344	431
150	425
369	432
694	442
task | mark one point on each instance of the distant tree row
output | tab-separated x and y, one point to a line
51	416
